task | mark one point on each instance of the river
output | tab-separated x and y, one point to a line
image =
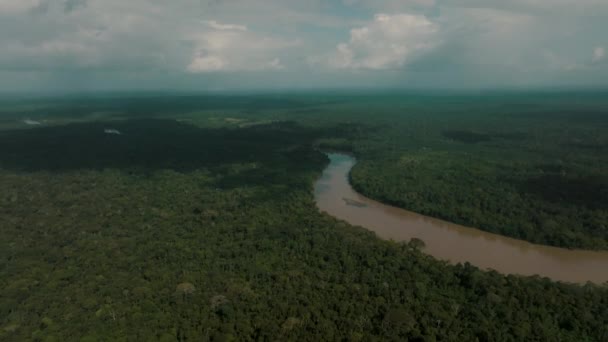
449	241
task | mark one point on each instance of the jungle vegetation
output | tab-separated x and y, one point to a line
537	172
198	223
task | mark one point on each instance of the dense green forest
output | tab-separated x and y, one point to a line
537	172
198	222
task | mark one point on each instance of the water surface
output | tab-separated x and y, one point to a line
449	241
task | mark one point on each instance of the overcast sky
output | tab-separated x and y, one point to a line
87	45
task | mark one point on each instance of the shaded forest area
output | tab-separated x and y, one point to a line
175	231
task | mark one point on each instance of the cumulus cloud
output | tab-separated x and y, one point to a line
133	35
230	47
316	40
389	41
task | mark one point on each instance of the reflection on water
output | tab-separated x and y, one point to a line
452	242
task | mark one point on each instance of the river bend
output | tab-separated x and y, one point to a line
449	241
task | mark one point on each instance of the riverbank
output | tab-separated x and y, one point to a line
452	242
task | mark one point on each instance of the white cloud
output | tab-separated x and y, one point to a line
176	39
599	53
217	26
275	64
133	35
389	41
231	47
11	7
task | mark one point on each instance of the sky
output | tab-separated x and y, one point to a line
219	45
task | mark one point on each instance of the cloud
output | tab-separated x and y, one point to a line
553	7
206	64
313	42
140	35
12	7
391	5
599	53
389	41
230	47
217	26
73	5
492	36
275	64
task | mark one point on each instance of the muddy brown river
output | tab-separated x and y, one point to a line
449	241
